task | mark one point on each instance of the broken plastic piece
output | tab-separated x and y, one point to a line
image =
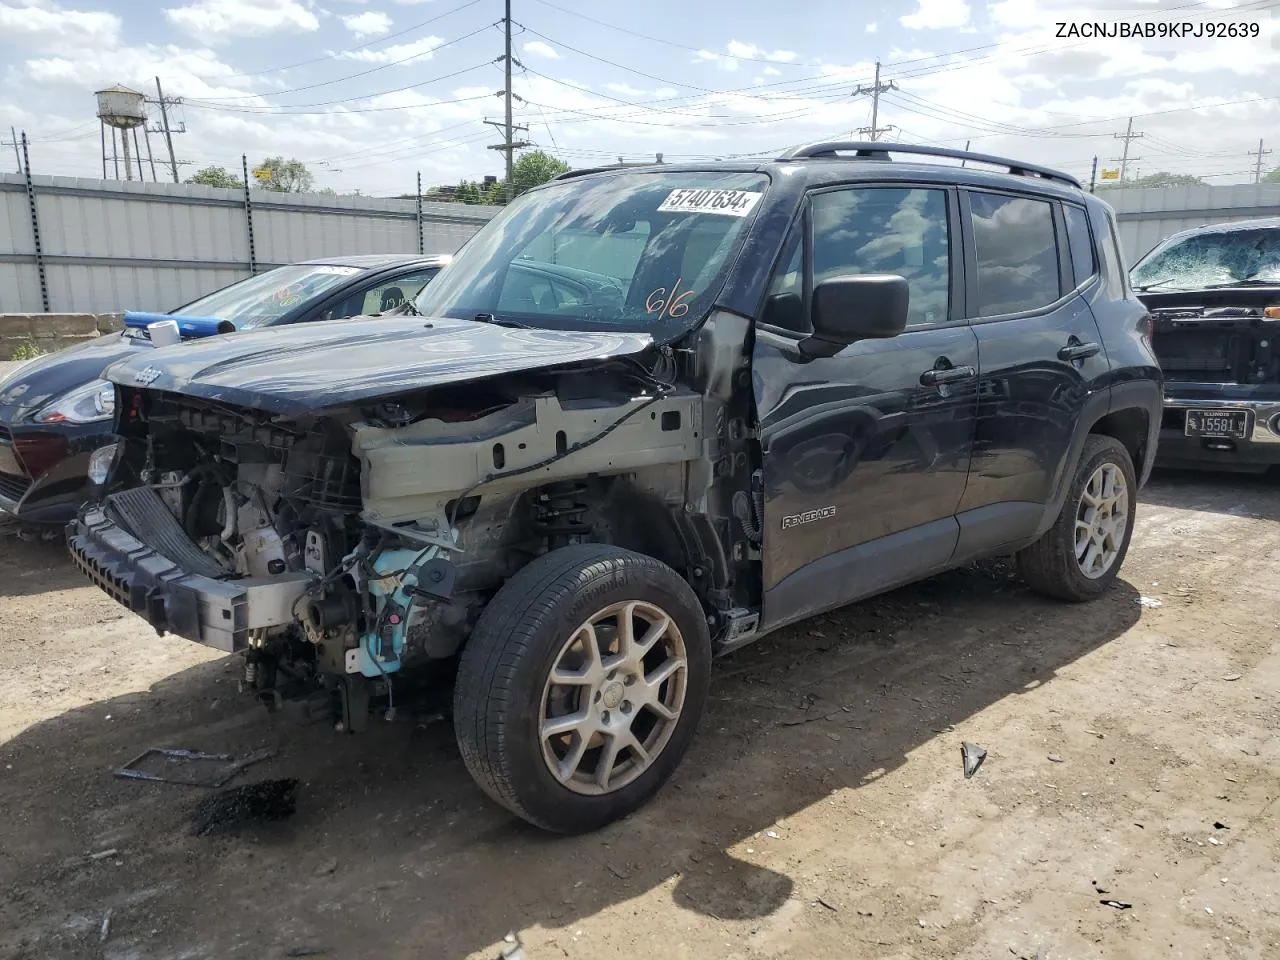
1118	904
130	770
973	756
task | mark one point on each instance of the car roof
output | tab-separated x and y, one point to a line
378	261
821	164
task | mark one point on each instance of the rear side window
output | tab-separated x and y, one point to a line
1017	253
1081	242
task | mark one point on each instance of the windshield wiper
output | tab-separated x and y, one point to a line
1154	283
1250	282
500	321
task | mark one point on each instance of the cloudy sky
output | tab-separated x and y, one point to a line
369	92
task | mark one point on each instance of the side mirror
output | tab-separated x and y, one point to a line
847	309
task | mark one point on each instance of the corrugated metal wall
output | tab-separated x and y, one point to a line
1147	216
110	246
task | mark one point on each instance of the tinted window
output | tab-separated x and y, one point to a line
1017	253
882	230
1080	241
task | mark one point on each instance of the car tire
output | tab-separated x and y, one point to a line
575	749
1080	555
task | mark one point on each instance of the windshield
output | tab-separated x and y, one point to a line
635	251
1205	259
264	299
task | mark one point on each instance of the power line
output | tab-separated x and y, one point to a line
360	46
353	76
290	109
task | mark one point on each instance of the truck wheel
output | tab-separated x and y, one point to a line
581	685
1080	555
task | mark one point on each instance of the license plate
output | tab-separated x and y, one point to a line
1218	423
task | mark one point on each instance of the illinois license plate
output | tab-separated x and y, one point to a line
1217	423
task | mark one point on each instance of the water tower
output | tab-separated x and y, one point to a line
124	110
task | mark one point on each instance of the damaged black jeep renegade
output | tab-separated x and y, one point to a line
647	416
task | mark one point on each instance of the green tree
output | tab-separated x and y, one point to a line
283	176
534	169
1160	179
1272	177
216	177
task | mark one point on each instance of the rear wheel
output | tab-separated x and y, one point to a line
580	688
1080	555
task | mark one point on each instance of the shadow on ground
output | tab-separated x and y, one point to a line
1237	494
395	853
31	568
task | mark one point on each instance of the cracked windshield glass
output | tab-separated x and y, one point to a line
1212	259
643	251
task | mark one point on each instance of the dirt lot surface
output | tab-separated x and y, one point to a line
1134	748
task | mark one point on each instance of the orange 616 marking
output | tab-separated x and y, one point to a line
676	305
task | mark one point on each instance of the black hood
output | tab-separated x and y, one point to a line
302	368
46	378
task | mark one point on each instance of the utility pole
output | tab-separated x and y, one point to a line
509	144
1257	169
1124	158
165	128
16	155
875	90
1093	175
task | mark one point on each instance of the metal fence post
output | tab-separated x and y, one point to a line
421	245
35	226
248	214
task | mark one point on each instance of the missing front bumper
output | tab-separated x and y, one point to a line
214	612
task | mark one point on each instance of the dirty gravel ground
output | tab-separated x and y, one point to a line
821	814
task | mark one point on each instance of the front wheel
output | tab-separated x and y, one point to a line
580	688
1080	555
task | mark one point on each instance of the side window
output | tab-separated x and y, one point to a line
784	304
1017	253
887	230
390	294
381	297
1080	239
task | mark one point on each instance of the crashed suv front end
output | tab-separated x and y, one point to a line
340	506
345	543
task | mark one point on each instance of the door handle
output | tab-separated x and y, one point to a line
1078	351
935	377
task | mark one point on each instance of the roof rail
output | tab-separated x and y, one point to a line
570	174
878	150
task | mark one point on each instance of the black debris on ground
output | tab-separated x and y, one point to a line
263	802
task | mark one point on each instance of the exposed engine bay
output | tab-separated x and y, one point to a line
363	541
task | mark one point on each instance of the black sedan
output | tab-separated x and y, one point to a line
56	410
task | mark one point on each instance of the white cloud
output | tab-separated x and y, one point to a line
750	51
47	22
540	49
396	53
771	72
738	51
371	23
223	19
939	15
872	27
